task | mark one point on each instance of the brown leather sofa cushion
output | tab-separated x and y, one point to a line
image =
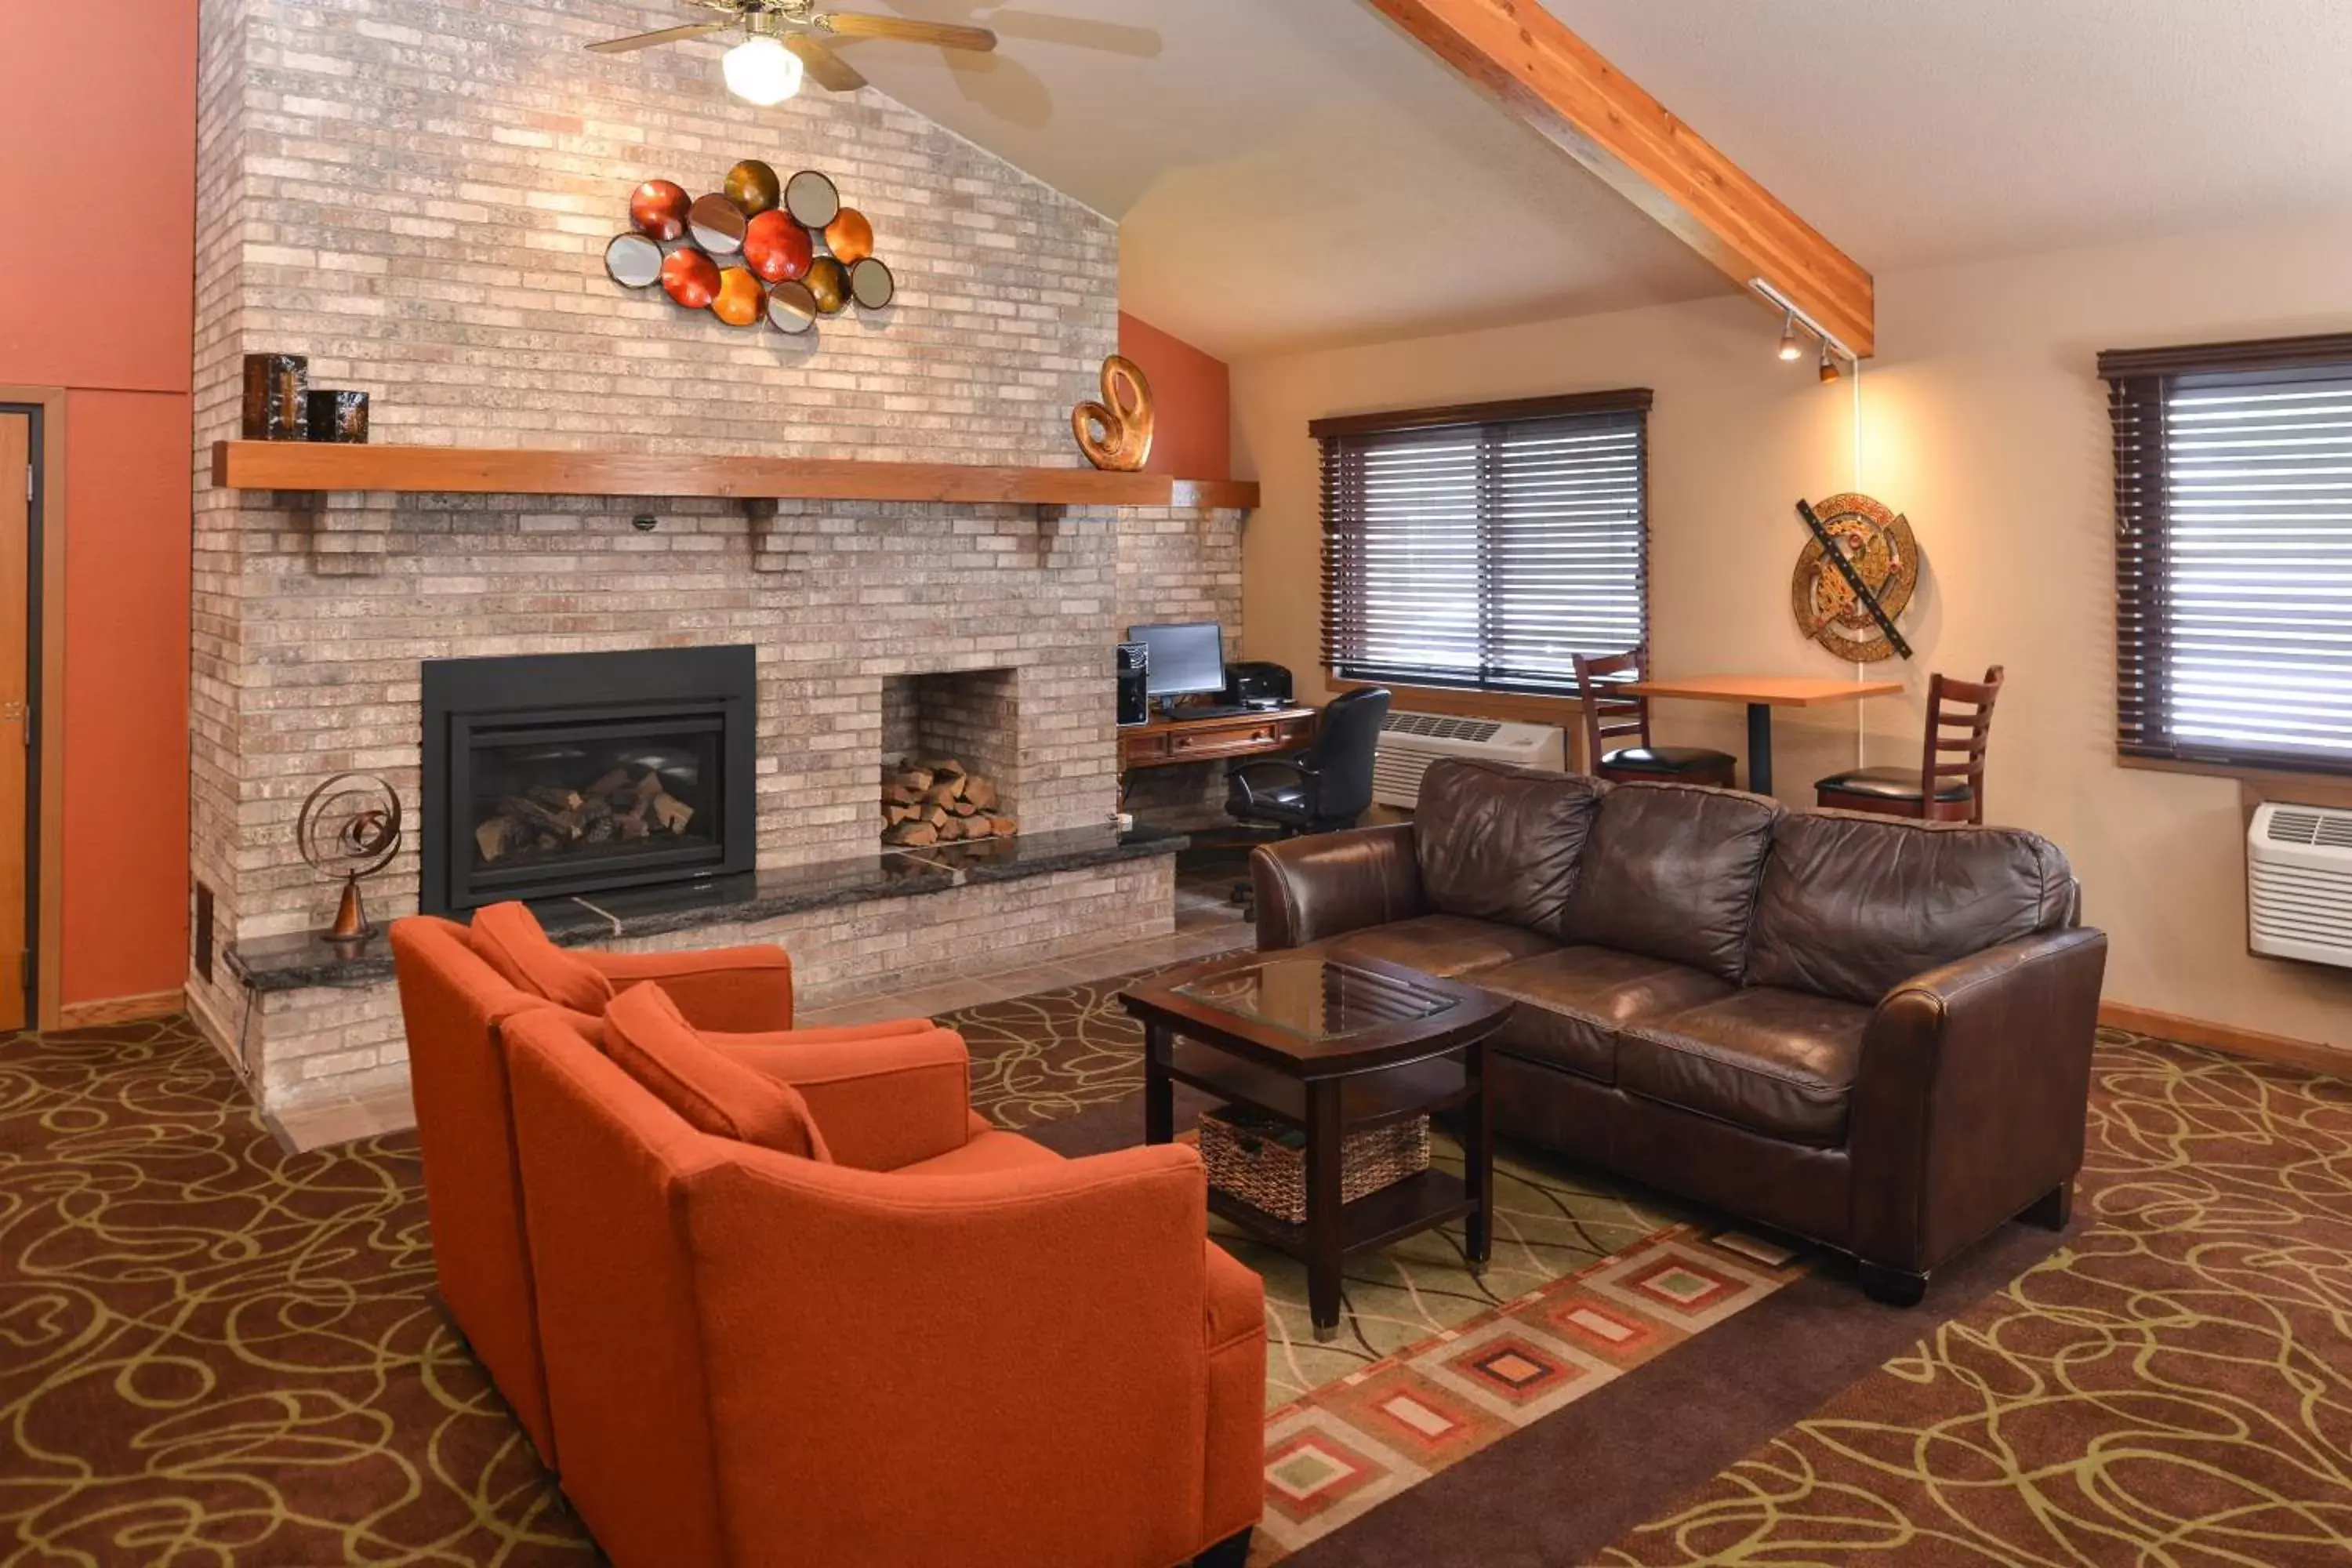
1670	870
1854	905
1572	1002
1500	843
1778	1062
1447	946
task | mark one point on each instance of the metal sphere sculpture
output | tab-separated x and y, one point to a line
349	827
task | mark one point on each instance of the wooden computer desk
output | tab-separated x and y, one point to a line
1166	741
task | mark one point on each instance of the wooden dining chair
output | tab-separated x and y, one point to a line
1948	785
1613	717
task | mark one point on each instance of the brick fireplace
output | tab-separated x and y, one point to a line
452	270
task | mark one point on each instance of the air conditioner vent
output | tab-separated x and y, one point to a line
1411	742
2299	882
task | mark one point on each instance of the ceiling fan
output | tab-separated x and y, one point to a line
784	39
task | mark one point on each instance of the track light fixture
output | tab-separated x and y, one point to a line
1829	370
1790	348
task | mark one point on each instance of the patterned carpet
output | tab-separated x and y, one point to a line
212	1352
2175	1389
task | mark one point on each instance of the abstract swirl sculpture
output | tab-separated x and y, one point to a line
349	827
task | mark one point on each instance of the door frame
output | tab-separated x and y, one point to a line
45	832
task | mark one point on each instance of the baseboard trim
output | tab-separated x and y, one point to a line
2227	1037
121	1009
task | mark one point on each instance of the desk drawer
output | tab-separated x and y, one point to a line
1142	747
1224	741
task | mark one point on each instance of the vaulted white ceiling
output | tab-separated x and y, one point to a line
1292	172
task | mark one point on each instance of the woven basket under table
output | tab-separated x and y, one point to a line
1262	1162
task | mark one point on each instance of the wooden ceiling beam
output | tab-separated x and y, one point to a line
1562	88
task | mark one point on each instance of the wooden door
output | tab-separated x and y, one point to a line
15	714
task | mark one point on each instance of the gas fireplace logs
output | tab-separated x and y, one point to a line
622	806
934	801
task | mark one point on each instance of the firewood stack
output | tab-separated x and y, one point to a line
620	807
934	801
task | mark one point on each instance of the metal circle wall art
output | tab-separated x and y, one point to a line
1878	544
758	249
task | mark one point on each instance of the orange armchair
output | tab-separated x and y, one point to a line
992	1357
459	992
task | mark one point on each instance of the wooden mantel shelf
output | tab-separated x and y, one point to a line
488	470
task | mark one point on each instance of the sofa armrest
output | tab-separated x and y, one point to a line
739	990
1327	883
919	1360
882	1101
1972	1095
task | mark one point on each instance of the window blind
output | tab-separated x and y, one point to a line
1484	546
2233	552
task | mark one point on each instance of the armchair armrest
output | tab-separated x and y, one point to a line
1327	883
1972	1095
742	990
882	1101
1024	1317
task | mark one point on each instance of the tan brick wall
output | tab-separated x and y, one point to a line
417	193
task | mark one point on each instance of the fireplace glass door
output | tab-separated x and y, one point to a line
545	802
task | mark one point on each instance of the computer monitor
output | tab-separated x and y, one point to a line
1186	659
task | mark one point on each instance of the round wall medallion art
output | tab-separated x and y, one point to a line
758	249
1878	544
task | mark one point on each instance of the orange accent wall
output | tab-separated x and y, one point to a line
1193	396
103	125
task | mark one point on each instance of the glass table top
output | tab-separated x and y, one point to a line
1316	998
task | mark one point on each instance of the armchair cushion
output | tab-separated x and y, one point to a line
711	1091
885	1101
510	939
1502	844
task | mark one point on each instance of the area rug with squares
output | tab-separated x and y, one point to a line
212	1351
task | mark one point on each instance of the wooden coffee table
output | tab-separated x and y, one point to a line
1329	1047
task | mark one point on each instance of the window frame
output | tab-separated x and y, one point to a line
2140	383
1636	401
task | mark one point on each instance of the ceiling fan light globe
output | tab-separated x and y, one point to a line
761	70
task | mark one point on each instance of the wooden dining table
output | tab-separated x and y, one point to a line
1762	693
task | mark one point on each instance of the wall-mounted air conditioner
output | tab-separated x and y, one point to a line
1411	742
2299	882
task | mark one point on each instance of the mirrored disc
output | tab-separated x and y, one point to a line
716	225
791	308
811	199
633	260
870	283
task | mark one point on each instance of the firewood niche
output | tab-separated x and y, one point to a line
619	808
933	800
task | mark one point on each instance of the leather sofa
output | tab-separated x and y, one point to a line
1868	1032
799	1303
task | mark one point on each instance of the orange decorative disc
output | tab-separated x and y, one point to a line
850	236
828	283
658	208
691	278
742	302
752	185
777	248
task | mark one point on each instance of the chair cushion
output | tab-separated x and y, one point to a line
1671	872
510	939
1442	945
1854	905
1778	1062
988	1149
648	1039
1572	1002
1498	843
1669	758
1891	784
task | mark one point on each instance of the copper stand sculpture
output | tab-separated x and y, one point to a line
349	827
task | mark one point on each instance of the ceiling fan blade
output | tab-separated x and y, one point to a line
666	35
946	34
830	71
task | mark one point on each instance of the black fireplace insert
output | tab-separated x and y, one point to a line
570	775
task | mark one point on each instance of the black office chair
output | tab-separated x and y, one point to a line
1322	789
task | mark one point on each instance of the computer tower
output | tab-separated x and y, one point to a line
1133	667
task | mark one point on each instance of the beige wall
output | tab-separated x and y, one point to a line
1983	421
